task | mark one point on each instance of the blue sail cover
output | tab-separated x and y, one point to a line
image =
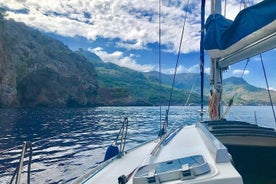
224	37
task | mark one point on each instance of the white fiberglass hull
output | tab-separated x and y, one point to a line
188	155
252	147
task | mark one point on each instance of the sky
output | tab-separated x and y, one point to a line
126	32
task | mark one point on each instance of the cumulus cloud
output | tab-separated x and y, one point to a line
272	89
134	22
240	72
120	59
182	69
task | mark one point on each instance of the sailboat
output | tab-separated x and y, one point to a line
189	154
253	148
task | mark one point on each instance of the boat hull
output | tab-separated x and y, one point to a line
253	149
256	164
189	154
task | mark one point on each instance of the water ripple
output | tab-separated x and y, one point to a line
67	142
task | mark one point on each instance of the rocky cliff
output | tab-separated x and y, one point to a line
36	70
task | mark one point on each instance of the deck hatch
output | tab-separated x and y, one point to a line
178	169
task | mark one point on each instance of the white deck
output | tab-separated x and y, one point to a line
189	141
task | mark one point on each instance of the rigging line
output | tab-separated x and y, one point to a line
242	75
178	56
190	93
125	135
237	115
203	2
224	8
229	104
159	60
267	86
247	61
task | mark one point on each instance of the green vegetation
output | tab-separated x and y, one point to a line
244	93
131	87
37	70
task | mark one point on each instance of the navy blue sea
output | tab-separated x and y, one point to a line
67	142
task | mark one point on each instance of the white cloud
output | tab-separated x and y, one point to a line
118	58
182	69
272	89
240	72
131	46
134	22
233	7
207	70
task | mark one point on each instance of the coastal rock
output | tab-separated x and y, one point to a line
36	70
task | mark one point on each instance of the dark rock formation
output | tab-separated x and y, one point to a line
36	70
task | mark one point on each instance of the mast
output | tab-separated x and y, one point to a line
202	57
215	76
227	42
216	7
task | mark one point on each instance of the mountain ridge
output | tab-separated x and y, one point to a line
137	89
246	94
37	70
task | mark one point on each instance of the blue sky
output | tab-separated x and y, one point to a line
125	32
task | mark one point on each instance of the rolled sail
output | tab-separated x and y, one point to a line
252	32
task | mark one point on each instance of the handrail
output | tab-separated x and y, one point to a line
26	145
123	134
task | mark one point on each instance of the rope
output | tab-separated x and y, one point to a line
230	103
165	123
202	19
159	59
178	56
190	93
125	137
267	86
213	104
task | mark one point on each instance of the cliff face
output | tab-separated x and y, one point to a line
36	70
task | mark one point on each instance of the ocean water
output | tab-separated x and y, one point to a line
68	142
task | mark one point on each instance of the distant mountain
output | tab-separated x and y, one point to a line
235	81
244	93
144	87
37	70
188	81
123	86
